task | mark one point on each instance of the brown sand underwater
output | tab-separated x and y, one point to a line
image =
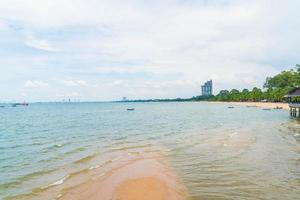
147	177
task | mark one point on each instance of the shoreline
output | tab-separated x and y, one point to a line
272	105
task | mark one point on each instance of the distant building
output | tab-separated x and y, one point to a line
124	99
207	88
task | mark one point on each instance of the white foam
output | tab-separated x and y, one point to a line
232	134
102	174
59	182
115	159
94	167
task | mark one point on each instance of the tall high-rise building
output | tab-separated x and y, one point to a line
207	88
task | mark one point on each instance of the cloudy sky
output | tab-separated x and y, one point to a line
107	49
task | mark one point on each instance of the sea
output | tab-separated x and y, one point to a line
218	152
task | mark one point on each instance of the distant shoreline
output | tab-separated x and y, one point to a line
271	105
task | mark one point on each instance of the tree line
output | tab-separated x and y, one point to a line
273	89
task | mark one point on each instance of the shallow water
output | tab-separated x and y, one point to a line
219	153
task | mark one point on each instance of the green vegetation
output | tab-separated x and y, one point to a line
274	88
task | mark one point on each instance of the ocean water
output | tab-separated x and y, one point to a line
219	153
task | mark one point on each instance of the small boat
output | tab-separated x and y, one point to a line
130	109
230	107
278	108
19	104
267	109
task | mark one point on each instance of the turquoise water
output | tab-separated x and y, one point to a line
220	153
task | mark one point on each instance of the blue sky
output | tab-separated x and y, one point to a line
106	49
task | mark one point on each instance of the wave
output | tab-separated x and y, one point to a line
85	159
94	167
78	173
37	143
55	146
58	182
11	147
121	138
75	150
35	174
35	191
104	163
24	178
62	180
20	196
131	147
46	160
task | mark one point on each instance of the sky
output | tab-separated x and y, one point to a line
102	50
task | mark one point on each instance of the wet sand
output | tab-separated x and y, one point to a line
144	178
147	188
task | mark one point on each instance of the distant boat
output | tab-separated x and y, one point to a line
230	107
278	108
130	109
19	104
267	109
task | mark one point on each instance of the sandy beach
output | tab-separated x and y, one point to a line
271	105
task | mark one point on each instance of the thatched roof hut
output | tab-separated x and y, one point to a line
294	105
295	92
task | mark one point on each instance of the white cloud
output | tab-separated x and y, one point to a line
118	70
163	48
75	83
119	83
35	84
40	44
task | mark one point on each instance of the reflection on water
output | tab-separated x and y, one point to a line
219	153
